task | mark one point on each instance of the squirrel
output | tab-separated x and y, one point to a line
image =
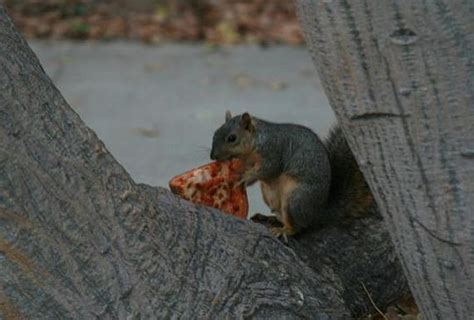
304	181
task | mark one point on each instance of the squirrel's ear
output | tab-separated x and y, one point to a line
228	115
246	122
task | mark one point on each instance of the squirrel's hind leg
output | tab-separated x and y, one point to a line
283	232
303	207
287	228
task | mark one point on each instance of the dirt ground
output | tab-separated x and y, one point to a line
263	22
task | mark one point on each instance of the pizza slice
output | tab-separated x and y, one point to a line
215	184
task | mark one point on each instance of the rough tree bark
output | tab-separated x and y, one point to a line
399	75
80	239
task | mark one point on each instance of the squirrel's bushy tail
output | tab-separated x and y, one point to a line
349	194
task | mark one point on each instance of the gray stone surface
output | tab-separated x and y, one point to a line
156	108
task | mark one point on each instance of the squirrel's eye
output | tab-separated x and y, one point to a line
231	138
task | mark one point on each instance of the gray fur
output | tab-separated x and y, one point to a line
294	150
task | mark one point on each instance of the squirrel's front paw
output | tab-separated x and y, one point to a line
247	180
282	232
249	177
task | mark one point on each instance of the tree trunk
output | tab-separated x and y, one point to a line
80	239
399	75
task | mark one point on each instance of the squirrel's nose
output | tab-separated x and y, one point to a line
213	155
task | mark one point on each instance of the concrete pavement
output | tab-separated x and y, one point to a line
156	108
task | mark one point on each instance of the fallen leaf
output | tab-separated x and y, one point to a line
243	81
278	85
154	67
147	132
